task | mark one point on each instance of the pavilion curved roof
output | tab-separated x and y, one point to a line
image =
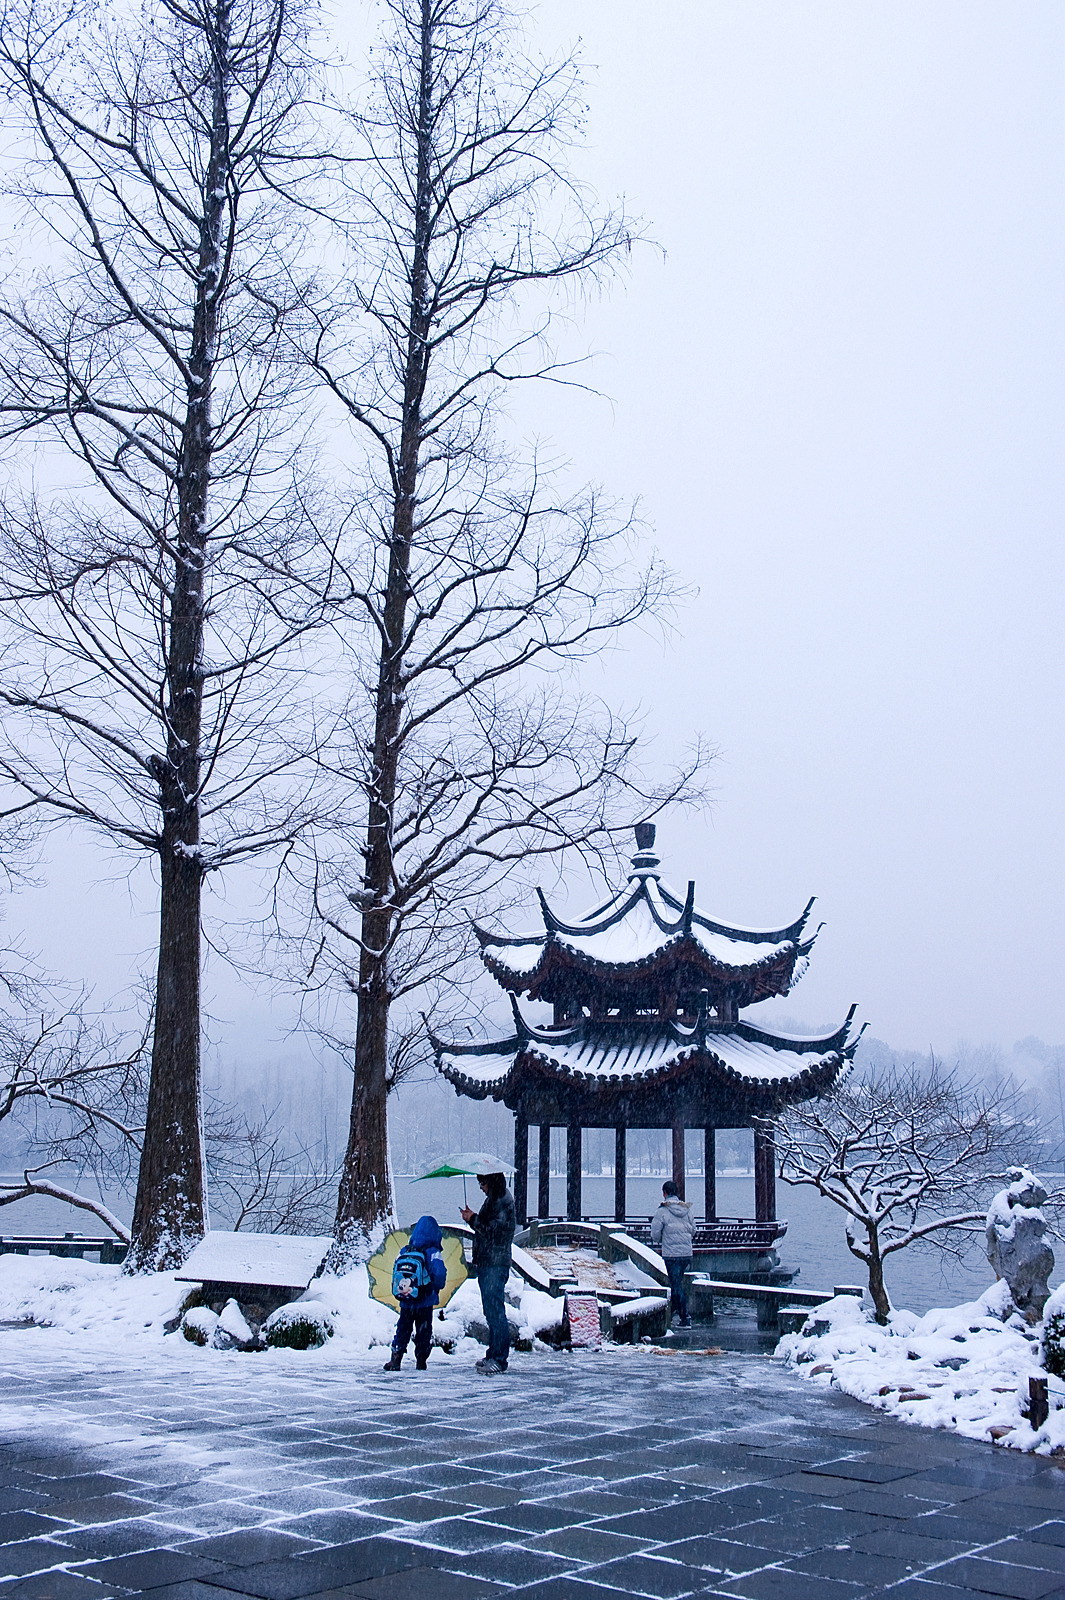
607	1053
644	930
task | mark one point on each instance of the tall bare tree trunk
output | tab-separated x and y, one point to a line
170	1211
365	1200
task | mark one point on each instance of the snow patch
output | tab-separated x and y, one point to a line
964	1369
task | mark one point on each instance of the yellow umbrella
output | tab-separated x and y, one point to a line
380	1267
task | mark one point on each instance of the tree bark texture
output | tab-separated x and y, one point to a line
874	1262
365	1204
170	1211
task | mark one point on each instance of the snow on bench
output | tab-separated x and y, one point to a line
262	1260
627	1309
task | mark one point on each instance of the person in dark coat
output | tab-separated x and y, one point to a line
417	1314
493	1234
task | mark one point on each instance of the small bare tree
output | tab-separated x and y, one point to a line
259	1181
75	1101
77	1094
479	584
906	1154
159	594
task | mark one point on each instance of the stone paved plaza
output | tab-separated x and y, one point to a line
573	1476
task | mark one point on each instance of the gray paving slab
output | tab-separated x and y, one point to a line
986	1576
614	1475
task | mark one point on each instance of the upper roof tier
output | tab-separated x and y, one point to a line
645	946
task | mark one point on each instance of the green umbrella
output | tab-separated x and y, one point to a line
467	1164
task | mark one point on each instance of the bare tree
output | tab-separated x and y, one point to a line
480	584
77	1092
159	594
906	1155
258	1180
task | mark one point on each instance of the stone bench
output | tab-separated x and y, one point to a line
112	1252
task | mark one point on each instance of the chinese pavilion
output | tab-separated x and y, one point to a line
647	993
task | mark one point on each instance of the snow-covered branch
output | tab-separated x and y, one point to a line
905	1154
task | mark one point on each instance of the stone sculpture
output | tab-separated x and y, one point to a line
1016	1242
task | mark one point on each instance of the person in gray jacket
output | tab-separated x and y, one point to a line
672	1232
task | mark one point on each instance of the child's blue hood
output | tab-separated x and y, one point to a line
426	1235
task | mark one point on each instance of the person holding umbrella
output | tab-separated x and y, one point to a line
493	1234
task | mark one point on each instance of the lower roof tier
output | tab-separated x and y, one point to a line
637	1060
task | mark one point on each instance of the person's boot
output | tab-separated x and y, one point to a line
421	1366
393	1363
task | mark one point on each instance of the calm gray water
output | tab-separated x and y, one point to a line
814	1242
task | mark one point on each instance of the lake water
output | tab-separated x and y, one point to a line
814	1243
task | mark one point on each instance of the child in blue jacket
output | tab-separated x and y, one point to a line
417	1314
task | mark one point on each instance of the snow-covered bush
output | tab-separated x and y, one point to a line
198	1325
232	1331
299	1326
905	1155
1054	1334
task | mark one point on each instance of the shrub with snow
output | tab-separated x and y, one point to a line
301	1325
1054	1333
78	1297
198	1325
232	1331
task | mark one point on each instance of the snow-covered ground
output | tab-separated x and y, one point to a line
965	1369
102	1310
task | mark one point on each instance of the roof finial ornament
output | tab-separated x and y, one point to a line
644	862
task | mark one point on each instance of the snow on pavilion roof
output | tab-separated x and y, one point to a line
607	1053
641	925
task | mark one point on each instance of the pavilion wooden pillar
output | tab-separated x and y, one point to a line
765	1174
710	1173
521	1168
620	1174
679	1162
543	1172
573	1171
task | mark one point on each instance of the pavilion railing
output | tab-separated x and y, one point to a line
721	1233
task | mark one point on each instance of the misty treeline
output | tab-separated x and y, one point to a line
306	1097
283	594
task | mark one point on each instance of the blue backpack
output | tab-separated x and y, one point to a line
410	1274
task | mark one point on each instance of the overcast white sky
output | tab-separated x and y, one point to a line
839	398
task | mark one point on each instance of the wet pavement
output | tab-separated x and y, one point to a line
628	1472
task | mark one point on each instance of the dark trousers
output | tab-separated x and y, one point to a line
493	1281
420	1318
677	1266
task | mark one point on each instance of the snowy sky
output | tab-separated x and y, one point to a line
839	399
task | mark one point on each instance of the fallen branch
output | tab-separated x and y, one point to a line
9	1193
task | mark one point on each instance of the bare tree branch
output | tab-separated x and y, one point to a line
477	583
897	1152
161	601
